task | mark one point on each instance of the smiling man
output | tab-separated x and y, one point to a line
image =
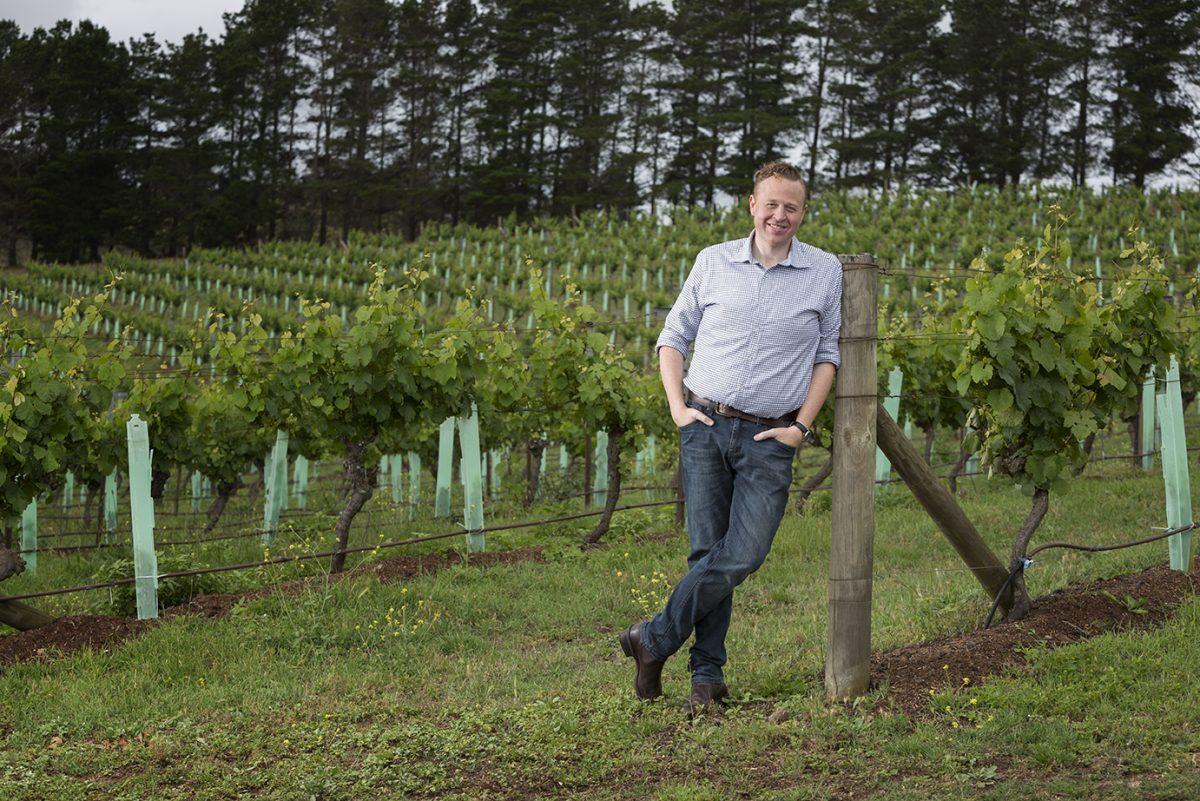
761	315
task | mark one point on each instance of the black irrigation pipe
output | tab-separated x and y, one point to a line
303	557
1028	559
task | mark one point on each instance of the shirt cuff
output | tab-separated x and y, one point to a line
666	339
829	356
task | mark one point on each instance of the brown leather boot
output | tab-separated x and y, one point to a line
705	697
647	681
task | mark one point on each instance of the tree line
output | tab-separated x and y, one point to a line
309	118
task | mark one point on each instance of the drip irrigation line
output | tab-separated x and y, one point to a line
1027	560
325	554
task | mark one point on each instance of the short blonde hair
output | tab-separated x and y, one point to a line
780	169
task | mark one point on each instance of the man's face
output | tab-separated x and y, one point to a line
778	206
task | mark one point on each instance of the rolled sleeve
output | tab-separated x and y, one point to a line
683	321
831	325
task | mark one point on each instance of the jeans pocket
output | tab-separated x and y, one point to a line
781	447
693	405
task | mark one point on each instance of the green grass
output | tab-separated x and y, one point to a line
507	682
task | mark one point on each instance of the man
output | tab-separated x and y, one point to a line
763	314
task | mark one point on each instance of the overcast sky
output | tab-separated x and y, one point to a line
169	20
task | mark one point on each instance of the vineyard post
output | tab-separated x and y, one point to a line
495	457
141	507
29	537
396	474
68	493
472	479
110	507
276	484
414	483
1146	430
587	470
1175	469
883	467
300	471
600	481
848	651
445	468
197	480
281	475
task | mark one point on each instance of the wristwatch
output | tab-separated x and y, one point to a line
810	434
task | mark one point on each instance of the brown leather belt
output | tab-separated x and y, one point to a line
728	411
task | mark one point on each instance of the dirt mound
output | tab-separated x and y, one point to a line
1137	601
66	635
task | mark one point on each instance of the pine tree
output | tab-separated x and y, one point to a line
177	185
890	49
997	74
638	154
421	127
260	78
460	69
85	113
762	106
587	79
18	129
699	92
1148	116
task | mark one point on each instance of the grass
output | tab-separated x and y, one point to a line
507	682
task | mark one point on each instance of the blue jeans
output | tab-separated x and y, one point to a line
736	491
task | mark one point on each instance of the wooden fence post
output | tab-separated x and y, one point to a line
848	652
927	488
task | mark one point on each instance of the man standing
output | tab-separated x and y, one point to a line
763	314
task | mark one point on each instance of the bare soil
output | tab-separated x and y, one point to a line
1138	601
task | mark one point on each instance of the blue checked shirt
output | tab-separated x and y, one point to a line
757	331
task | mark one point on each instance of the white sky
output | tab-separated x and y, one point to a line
169	20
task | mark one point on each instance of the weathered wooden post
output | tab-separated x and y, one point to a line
848	653
927	488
